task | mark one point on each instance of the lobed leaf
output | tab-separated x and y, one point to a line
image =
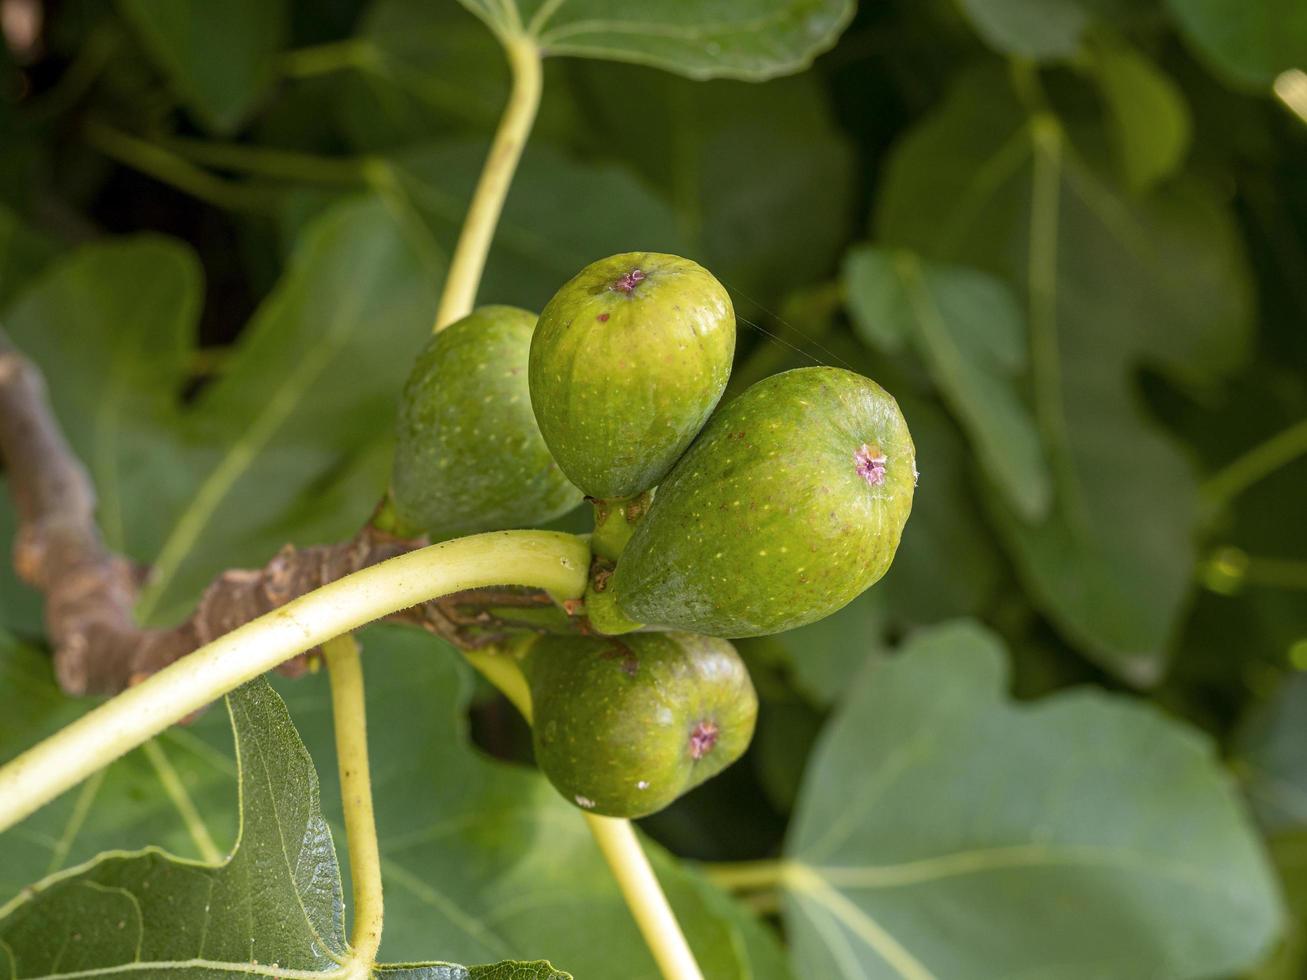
1109	283
484	860
944	831
275	904
310	386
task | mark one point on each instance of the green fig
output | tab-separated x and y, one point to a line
627	363
788	505
623	726
469	455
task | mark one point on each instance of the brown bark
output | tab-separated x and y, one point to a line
90	591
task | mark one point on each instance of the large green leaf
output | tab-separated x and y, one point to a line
312	383
276	903
483	860
305	398
1248	43
749	39
760	228
493	864
969	328
112	327
218	56
944	831
1111	282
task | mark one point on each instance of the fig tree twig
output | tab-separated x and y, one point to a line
548	560
90	591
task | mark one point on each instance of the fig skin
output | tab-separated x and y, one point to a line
789	504
624	726
628	361
469	455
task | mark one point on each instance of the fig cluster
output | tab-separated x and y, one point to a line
712	522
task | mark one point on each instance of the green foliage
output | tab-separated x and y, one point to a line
144	799
755	39
147	910
1038	29
484	860
1272	757
1079	836
1148	112
590	209
198	488
1081	280
219	57
1248	43
700	144
1112	562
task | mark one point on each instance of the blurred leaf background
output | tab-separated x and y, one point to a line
1069	235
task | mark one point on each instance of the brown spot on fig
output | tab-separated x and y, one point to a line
602	318
630	662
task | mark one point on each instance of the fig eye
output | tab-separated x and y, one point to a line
870	463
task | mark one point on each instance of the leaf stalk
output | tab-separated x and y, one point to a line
349	718
478	231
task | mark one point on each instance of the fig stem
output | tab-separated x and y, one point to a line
478	232
644	896
349	718
615	522
500	667
559	563
1256	464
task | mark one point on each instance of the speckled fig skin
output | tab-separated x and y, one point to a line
788	505
469	455
627	363
625	725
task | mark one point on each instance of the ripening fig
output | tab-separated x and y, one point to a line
628	361
469	455
790	503
623	726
